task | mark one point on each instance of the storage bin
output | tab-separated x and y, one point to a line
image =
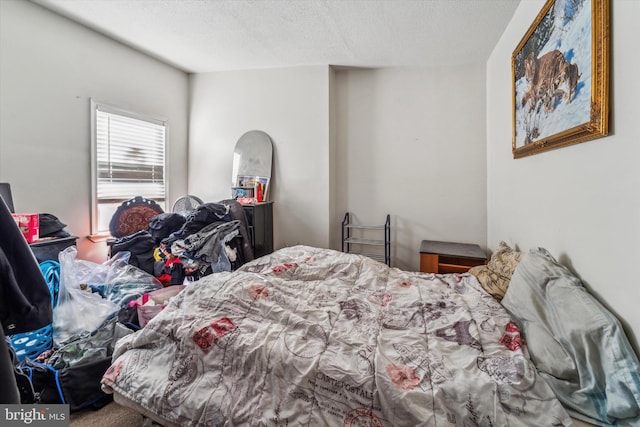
160	299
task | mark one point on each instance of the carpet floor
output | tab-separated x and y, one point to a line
111	415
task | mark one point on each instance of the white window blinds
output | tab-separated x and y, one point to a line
129	159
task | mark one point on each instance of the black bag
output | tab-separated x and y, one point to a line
78	386
162	225
78	382
141	245
81	385
51	226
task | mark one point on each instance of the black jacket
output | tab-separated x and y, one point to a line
25	300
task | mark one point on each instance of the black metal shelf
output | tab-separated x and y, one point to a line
348	240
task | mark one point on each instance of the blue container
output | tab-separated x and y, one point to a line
32	344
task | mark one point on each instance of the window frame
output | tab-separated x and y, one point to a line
97	105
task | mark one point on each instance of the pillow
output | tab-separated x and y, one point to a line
496	275
578	346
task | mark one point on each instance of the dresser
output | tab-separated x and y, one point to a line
449	257
260	223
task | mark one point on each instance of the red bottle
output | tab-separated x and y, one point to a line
259	194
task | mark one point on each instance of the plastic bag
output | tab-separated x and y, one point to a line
122	283
80	310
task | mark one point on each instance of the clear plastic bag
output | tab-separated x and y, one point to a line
80	310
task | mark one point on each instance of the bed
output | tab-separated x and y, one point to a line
315	337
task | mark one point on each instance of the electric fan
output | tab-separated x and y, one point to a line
186	204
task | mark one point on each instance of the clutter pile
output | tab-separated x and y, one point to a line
64	361
212	238
94	304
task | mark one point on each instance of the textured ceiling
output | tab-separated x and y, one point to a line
216	35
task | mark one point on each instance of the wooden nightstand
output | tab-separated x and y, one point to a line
448	257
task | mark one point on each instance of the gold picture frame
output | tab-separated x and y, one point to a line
560	77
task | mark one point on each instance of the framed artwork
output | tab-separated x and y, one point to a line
560	74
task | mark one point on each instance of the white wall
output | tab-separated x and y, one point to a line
292	106
408	142
49	68
411	143
581	202
399	141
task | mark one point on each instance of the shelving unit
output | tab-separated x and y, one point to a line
365	238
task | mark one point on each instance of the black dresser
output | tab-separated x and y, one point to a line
260	222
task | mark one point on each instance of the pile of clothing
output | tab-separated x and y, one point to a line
65	361
212	238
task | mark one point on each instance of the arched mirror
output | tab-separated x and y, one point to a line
252	159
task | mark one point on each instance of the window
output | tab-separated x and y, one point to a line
128	160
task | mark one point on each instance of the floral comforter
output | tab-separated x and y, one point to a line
315	337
